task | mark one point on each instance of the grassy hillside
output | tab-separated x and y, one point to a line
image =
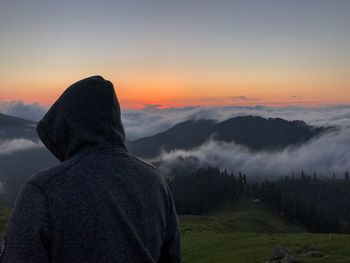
247	216
248	232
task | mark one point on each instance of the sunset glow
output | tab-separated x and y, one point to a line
181	53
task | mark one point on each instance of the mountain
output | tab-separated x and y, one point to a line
13	127
184	135
18	165
254	132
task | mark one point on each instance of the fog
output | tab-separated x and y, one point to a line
151	120
15	145
32	111
325	155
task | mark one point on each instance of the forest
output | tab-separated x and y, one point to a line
320	204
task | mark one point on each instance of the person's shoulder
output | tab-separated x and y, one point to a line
148	169
145	164
43	178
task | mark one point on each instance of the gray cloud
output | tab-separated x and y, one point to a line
324	155
146	122
33	111
151	106
15	145
243	98
153	119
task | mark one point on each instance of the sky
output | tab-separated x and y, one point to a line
180	53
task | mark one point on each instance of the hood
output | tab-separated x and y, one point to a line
86	117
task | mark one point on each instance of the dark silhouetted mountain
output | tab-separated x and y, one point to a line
13	127
184	135
254	132
17	166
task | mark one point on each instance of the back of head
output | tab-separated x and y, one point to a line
85	117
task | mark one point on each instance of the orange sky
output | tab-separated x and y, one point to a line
179	53
190	88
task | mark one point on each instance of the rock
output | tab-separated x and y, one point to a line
281	254
313	254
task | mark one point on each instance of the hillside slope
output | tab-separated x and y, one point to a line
246	216
16	166
248	232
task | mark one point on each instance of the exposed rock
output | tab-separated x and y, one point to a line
281	254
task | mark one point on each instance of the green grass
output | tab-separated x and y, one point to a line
257	247
247	216
247	233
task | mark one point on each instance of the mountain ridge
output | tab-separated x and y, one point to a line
255	132
12	127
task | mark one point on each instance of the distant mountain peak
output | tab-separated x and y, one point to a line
255	132
14	127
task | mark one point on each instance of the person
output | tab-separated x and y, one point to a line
101	203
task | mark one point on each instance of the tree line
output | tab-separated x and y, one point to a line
319	204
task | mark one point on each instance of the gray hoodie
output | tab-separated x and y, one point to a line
101	203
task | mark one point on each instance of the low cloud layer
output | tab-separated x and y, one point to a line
15	145
151	120
325	155
33	111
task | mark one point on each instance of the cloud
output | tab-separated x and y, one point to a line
15	145
243	98
33	111
324	155
146	122
151	106
154	119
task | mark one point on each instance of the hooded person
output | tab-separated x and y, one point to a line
101	203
